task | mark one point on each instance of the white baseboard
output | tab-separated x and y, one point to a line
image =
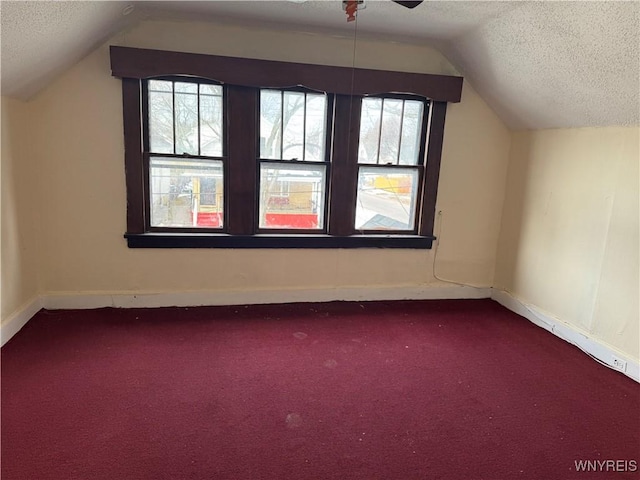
78	301
245	297
571	334
19	319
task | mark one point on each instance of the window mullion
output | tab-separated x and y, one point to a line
173	109
281	124
400	134
242	168
199	121
344	165
380	130
304	129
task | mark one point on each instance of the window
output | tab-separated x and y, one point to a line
184	145
390	164
293	160
232	156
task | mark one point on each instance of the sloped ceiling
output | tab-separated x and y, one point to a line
538	64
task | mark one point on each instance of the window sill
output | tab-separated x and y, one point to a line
215	240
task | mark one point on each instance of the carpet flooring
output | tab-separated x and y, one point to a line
450	390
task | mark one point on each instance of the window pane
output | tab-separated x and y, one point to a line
184	87
186	193
270	123
186	118
161	116
206	89
160	86
292	196
293	123
386	198
211	120
315	134
369	130
411	130
390	133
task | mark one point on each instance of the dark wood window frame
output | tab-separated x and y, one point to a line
242	79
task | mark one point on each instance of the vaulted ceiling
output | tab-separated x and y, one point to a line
538	64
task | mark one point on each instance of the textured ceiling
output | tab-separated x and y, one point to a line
557	64
42	39
538	64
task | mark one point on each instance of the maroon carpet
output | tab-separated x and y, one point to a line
455	390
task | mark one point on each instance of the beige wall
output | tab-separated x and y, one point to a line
79	151
19	283
569	239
